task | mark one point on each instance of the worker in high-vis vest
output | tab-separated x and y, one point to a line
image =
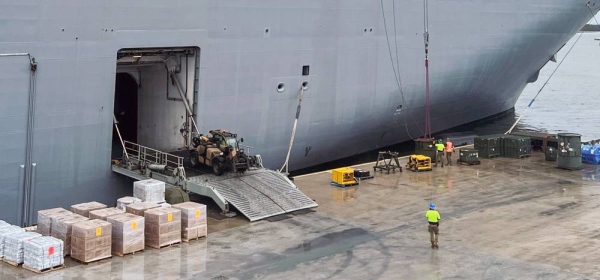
449	151
440	153
433	217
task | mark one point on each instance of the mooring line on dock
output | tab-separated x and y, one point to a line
551	75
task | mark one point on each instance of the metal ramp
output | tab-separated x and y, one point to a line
257	193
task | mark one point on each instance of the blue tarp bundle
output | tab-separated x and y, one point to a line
590	154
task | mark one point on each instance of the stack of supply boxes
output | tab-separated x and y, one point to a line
193	220
163	227
91	241
127	233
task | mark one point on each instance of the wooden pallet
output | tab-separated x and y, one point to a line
44	270
131	253
343	185
492	156
90	262
163	246
568	168
521	156
468	163
193	239
11	263
417	170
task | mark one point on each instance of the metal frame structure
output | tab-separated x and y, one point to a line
257	193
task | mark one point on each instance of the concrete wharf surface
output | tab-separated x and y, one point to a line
503	219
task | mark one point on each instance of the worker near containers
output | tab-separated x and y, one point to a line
433	217
440	152
449	151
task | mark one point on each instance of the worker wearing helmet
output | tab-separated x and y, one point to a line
433	217
449	151
440	152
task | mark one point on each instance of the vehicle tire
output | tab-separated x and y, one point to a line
217	167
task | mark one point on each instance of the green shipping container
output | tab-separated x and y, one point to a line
468	155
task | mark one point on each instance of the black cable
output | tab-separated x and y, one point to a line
592	12
398	82
398	62
548	80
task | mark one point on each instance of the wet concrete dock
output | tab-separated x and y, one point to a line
503	219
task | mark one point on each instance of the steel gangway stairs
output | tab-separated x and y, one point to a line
258	193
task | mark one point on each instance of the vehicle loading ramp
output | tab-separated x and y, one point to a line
258	193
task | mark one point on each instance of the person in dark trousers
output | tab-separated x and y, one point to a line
449	151
433	217
440	153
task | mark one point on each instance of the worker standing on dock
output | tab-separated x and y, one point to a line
440	153
449	151
433	217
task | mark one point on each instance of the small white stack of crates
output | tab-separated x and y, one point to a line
5	230
43	253
149	190
13	246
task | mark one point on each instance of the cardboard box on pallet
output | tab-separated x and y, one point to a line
140	208
162	227
58	225
127	233
44	225
62	228
91	240
85	208
102	214
193	233
193	220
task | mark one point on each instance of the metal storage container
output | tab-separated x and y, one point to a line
569	151
516	146
426	147
489	146
468	156
550	154
511	152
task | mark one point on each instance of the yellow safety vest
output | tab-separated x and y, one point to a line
440	147
433	216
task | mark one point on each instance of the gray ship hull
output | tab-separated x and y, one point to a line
56	125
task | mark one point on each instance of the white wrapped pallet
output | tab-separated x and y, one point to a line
42	253
149	190
124	201
13	246
5	231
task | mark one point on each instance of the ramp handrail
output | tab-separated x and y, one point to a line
151	156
